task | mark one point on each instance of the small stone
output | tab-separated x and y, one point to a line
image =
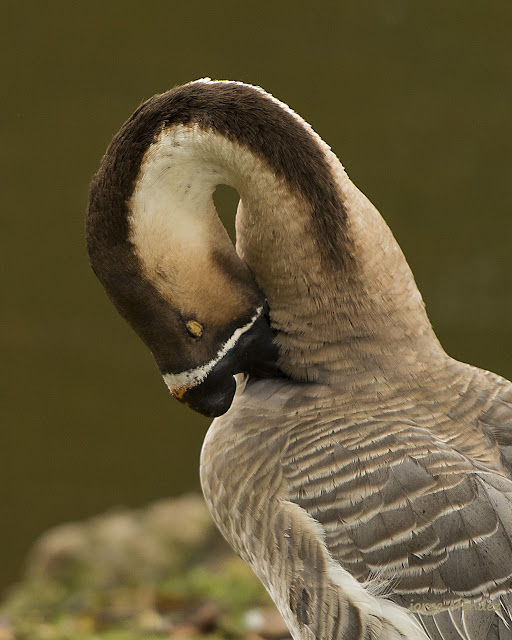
6	631
151	622
180	631
206	618
267	623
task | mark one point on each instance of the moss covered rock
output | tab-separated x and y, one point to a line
162	571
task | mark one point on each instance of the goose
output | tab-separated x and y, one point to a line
362	473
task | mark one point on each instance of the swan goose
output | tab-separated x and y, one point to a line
363	474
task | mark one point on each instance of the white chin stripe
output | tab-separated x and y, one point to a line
177	382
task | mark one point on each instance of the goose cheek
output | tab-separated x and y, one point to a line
253	353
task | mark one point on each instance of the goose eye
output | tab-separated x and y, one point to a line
194	328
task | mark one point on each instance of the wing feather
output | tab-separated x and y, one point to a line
413	506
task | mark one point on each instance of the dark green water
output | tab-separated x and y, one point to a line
414	97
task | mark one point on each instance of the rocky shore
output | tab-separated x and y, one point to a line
159	572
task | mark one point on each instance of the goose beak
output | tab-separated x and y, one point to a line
255	354
211	398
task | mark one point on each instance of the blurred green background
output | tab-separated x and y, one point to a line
414	97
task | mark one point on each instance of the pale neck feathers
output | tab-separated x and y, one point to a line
334	311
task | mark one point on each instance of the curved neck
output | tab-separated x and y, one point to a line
174	226
362	313
334	310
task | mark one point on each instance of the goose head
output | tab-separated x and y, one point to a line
158	247
313	255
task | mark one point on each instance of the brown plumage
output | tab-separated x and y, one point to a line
370	486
